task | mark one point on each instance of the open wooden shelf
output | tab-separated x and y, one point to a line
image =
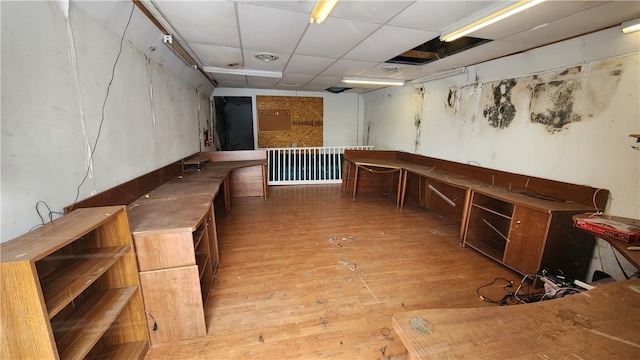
132	350
70	290
75	340
67	282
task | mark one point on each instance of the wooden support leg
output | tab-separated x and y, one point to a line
465	216
355	182
265	188
404	187
227	195
400	189
426	194
346	167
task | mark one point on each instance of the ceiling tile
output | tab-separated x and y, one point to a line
388	42
326	81
270	30
348	68
295	79
334	38
221	56
533	17
205	22
371	11
261	82
231	81
599	17
301	64
439	15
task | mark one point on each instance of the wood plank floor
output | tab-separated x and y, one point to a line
313	274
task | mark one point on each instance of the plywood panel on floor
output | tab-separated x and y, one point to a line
314	274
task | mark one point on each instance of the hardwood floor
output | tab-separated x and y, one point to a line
313	274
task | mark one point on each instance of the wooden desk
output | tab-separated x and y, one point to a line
371	165
510	218
235	165
177	252
241	166
603	323
632	255
174	232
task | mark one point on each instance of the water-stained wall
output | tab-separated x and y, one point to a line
87	106
562	112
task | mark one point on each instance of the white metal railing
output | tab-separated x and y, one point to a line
307	165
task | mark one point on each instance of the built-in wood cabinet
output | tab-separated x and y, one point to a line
177	250
70	290
528	234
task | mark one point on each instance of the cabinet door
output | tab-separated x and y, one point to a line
173	301
527	237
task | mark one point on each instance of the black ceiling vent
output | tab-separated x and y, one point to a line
337	89
435	49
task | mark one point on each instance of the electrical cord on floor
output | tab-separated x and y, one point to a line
502	301
525	293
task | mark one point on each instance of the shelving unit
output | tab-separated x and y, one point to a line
70	290
489	222
528	234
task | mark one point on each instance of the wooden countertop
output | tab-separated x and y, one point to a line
167	213
522	196
181	203
603	323
195	183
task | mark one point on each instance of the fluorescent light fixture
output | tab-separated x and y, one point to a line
494	17
439	75
630	26
179	50
245	72
370	81
322	10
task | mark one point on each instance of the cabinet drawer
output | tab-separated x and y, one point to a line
164	251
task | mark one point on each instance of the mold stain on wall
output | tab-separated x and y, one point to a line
602	85
457	100
417	120
501	112
552	99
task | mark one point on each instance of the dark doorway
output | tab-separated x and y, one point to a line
234	122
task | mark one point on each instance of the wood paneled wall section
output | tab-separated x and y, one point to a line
128	192
306	121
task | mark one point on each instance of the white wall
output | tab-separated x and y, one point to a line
343	113
602	83
56	71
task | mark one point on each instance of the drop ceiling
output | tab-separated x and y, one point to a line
359	37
